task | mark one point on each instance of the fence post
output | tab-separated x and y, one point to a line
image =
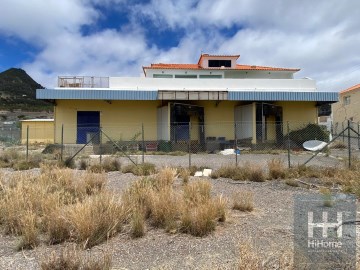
189	145
235	145
27	143
349	143
100	144
143	143
288	144
62	142
358	131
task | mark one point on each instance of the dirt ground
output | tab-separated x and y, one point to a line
269	227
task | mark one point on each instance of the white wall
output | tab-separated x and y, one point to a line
163	123
151	72
244	121
138	83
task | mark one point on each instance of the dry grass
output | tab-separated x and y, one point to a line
256	174
71	259
111	164
137	223
243	201
144	169
94	220
232	172
60	203
184	175
292	183
192	211
276	169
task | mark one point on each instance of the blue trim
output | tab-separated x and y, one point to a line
283	96
96	94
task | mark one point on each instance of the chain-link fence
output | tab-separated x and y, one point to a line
189	140
9	134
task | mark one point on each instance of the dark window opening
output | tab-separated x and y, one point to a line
219	63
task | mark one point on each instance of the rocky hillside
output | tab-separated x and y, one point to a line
18	91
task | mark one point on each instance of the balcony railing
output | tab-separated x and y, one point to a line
83	82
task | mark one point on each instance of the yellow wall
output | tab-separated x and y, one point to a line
219	119
343	112
39	131
298	113
121	120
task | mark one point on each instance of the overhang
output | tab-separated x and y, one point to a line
283	96
97	94
94	94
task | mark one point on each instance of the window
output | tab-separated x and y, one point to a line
346	100
210	76
219	63
162	76
185	76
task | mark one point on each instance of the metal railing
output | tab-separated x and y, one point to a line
83	82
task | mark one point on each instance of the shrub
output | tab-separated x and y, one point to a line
232	172
137	224
29	231
83	164
243	201
143	169
256	174
96	168
111	164
71	259
310	132
68	259
95	219
164	208
165	177
184	174
276	169
197	192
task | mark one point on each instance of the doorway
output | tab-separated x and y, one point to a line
88	125
269	118
181	117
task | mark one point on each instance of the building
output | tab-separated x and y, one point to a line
37	131
347	108
213	100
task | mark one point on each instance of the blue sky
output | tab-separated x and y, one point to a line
48	38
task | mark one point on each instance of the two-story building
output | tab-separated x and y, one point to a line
213	99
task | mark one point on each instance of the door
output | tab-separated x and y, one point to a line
88	125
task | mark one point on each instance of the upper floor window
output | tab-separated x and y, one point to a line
219	63
346	100
210	76
162	76
185	76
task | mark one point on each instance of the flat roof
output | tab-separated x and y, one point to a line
37	120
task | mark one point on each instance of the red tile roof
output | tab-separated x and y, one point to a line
197	66
352	88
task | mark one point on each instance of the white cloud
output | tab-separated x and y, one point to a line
39	21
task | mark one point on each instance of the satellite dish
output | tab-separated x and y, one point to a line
314	145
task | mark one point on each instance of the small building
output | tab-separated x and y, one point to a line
215	99
347	108
40	131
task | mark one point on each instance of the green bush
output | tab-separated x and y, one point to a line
310	132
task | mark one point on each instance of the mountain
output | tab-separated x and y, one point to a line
18	91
